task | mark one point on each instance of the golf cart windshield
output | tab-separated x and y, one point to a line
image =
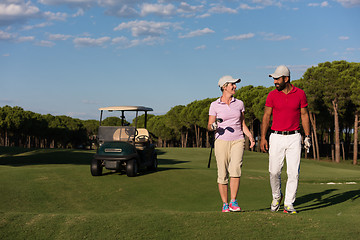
115	133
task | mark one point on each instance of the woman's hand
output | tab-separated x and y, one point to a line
252	142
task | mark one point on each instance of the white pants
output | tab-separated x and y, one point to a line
281	146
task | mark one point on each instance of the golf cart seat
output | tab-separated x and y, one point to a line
124	134
142	138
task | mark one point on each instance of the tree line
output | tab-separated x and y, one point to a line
332	89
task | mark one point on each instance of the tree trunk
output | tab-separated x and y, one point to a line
337	131
258	139
356	129
197	135
182	140
6	139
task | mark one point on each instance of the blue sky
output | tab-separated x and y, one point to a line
70	57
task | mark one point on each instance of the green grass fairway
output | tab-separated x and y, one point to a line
50	194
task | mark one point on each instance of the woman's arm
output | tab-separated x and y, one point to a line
247	131
211	121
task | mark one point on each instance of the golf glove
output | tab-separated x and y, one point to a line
214	126
307	142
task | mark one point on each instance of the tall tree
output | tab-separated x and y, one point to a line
332	84
354	72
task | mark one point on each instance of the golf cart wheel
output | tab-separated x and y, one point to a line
131	168
154	164
96	167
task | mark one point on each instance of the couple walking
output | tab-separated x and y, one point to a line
286	104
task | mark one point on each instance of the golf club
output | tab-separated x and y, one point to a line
219	120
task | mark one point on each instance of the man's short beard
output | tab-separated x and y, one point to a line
280	87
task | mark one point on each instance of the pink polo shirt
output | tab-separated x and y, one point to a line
230	129
286	108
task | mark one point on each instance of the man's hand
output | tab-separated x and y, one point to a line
307	142
264	146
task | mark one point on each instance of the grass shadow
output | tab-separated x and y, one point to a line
321	200
47	156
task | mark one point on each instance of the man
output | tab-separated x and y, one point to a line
287	104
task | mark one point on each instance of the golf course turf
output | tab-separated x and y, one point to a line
50	194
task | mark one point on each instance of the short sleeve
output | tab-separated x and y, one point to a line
303	100
212	111
269	102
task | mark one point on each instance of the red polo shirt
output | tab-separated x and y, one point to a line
286	108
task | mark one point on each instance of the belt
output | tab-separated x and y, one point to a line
285	132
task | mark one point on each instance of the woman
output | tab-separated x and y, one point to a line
229	140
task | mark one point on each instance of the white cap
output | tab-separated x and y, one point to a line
281	71
228	79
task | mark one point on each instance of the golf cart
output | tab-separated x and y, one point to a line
124	147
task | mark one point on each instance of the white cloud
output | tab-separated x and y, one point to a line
322	4
91	42
197	33
11	37
40	25
62	37
187	8
344	38
275	37
123	42
5	55
5	36
351	49
80	12
120	40
205	15
202	47
55	16
71	3
245	6
123	11
150	40
240	37
349	3
146	28
17	11
222	9
157	9
26	39
44	43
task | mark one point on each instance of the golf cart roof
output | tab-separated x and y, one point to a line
126	108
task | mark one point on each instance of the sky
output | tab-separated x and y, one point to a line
71	57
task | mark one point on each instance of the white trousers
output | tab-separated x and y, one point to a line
281	146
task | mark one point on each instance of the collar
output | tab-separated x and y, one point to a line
232	100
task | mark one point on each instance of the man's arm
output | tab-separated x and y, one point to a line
305	120
264	146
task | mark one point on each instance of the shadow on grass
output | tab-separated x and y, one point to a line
323	199
18	157
144	171
48	156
